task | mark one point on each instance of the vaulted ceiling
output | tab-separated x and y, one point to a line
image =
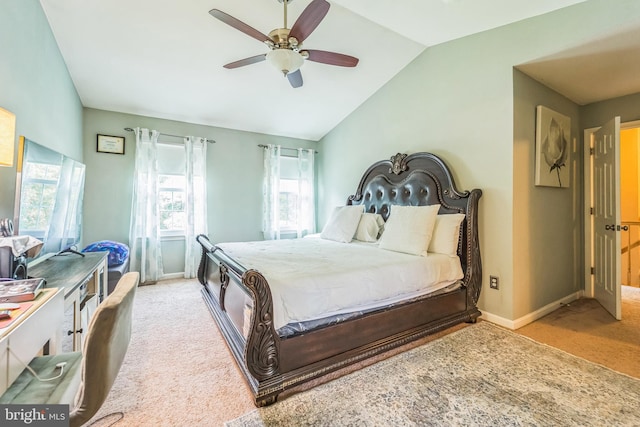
165	58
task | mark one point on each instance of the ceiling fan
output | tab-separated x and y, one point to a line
286	52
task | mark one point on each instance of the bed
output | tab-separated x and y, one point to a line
256	291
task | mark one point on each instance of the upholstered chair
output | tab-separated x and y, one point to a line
104	349
88	375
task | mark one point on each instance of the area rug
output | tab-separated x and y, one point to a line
478	376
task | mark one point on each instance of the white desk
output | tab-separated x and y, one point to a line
26	337
72	272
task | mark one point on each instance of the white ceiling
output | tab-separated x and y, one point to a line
163	58
597	70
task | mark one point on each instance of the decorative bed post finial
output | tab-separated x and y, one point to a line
398	164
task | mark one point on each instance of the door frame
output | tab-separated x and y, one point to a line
588	204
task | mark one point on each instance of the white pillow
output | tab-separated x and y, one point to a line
446	233
369	227
343	223
408	229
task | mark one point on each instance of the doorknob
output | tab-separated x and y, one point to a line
611	227
625	228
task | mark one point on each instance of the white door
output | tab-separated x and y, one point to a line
607	274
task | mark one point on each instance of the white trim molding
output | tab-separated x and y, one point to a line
178	275
533	316
588	202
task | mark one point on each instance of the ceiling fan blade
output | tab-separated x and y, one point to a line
246	61
309	19
238	25
295	78
331	58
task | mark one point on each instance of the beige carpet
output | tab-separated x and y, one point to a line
587	330
177	371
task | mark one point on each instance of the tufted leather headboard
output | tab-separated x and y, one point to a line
424	179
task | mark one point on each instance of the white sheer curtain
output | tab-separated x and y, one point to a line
144	232
271	193
306	211
66	218
196	198
304	176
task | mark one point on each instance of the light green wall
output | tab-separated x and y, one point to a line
451	101
598	113
456	100
547	222
234	180
36	86
459	100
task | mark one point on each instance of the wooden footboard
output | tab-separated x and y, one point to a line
257	350
240	299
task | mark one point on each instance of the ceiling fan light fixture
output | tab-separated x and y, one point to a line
285	60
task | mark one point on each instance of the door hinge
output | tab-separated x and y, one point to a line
593	270
591	211
592	151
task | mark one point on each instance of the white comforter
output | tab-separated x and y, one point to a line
312	278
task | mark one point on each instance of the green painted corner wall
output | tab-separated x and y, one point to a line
457	100
598	113
234	180
548	224
36	86
461	100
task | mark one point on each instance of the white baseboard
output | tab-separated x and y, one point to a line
533	316
172	276
500	321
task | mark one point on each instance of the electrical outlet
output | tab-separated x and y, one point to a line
493	282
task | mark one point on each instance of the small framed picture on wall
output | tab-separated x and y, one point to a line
110	144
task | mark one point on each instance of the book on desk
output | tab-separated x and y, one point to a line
20	290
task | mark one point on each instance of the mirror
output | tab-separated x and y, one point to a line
49	191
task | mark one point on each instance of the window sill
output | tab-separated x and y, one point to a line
171	237
288	234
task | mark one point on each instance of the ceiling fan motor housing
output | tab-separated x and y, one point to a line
281	39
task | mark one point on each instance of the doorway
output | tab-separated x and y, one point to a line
627	258
630	205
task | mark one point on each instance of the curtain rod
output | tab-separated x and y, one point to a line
212	141
282	148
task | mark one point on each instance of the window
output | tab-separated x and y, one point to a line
50	197
38	198
172	190
171	203
289	194
288	204
288	191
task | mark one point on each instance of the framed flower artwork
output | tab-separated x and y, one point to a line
553	136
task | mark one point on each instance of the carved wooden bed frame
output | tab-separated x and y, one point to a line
273	364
